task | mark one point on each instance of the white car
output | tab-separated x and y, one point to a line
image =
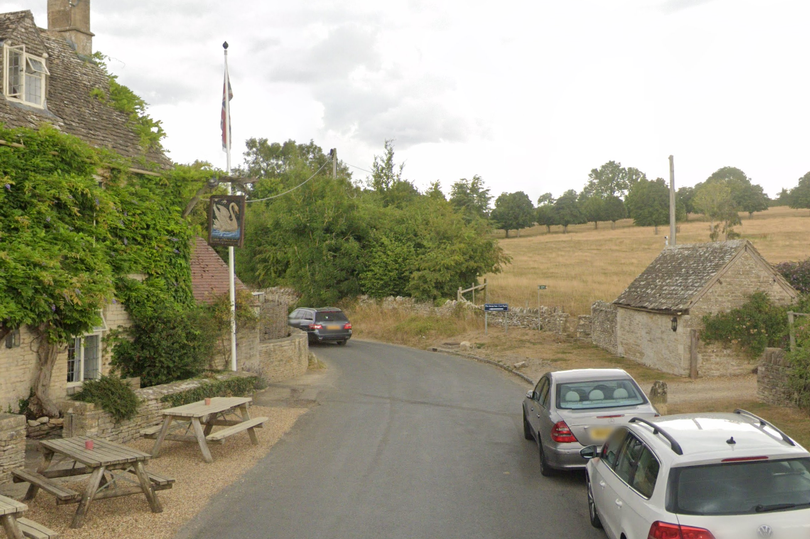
699	476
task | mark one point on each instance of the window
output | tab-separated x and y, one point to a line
24	76
84	358
13	339
599	394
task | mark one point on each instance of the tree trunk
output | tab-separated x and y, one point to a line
47	352
596	225
613	225
507	232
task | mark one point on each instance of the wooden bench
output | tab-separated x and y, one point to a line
249	424
31	529
151	432
160	482
62	493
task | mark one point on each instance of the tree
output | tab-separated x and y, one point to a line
275	160
800	195
648	203
593	208
544	214
614	209
747	196
685	196
435	191
567	210
513	211
715	201
470	198
782	199
611	179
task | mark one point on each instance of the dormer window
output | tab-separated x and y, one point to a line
24	76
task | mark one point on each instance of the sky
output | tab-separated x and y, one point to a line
528	94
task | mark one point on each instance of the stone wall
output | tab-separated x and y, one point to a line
86	419
603	326
280	359
12	445
17	364
772	378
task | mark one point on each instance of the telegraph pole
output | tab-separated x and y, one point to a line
672	201
333	153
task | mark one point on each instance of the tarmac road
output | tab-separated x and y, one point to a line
403	444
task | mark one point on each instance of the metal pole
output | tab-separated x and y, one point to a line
231	258
506	320
672	226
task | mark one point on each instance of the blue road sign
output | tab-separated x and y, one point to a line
502	307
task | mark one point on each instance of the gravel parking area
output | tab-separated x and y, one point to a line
129	517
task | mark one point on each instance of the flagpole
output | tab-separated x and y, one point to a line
231	262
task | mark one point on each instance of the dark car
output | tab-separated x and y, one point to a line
322	324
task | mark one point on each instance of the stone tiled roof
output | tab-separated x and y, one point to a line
674	279
209	274
71	107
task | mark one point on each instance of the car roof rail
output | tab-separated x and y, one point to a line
762	424
673	443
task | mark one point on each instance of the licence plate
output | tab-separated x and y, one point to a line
333	327
599	434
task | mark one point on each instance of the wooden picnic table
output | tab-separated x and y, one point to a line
10	511
100	462
201	418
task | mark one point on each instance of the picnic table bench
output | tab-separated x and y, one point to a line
201	418
100	459
17	527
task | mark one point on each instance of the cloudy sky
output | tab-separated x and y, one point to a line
528	94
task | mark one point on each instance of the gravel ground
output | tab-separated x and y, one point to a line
129	517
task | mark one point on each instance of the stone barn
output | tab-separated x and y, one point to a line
659	316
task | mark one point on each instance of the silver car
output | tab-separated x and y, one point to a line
568	410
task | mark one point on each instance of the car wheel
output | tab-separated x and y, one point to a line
592	514
527	430
545	469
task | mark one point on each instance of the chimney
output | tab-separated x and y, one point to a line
71	18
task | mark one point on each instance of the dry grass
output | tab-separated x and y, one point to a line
586	265
129	517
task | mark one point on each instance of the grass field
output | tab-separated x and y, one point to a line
588	264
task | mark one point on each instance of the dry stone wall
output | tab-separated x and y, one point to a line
12	444
86	419
280	359
773	375
603	326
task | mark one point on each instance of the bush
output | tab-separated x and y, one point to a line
232	387
797	274
165	344
753	327
113	394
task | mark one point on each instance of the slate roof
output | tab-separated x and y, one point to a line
70	105
675	279
209	274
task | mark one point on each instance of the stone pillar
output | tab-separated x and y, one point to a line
658	396
12	444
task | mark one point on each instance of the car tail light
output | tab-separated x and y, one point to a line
560	433
315	326
609	416
743	459
347	326
663	530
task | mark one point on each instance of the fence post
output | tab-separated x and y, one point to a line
792	330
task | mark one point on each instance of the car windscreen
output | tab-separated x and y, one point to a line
330	316
593	394
740	488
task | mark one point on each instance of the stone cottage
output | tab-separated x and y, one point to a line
659	316
48	77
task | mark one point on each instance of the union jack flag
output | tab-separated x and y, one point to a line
225	121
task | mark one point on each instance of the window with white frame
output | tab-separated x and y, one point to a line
84	355
24	76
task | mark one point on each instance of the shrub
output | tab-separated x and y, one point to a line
113	394
797	274
754	326
232	387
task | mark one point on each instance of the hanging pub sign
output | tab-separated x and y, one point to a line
226	221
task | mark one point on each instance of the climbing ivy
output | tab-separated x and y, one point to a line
123	99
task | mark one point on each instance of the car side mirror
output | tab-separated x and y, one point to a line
589	452
530	394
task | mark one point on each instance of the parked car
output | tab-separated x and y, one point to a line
568	410
700	476
322	324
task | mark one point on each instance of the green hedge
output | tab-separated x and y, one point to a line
232	387
113	394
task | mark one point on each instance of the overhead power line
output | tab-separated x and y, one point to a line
293	189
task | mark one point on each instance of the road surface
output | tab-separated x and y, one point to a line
403	444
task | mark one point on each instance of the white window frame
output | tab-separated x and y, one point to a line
79	351
30	67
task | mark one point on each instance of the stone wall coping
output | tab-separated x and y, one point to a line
11	421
